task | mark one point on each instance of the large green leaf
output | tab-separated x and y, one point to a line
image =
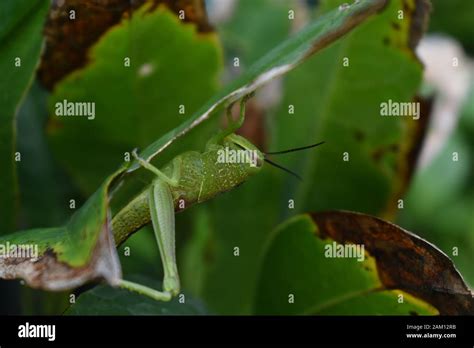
341	106
301	274
105	300
133	105
20	37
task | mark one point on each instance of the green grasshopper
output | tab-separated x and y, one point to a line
189	178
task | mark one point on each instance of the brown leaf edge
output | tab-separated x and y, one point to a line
404	260
47	273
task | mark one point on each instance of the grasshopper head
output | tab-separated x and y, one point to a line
255	156
237	143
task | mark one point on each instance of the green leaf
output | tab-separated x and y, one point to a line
364	164
66	257
20	37
302	274
313	38
105	300
133	105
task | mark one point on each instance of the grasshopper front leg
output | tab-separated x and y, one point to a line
163	220
232	125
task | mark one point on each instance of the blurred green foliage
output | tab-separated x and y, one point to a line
454	18
20	38
45	190
20	44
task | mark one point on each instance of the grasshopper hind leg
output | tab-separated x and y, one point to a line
162	217
145	290
161	208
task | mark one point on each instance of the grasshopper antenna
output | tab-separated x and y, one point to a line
288	151
294	149
283	168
